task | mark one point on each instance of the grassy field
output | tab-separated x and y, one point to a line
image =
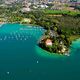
74	37
72	13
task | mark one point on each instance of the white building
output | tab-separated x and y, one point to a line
26	6
10	1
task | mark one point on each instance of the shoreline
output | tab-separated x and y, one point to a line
47	54
65	53
19	23
2	23
43	53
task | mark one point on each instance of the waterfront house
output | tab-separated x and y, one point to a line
48	42
26	20
26	6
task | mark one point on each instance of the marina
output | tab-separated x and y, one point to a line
21	58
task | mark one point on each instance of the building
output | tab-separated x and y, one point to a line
74	2
26	20
57	5
48	42
10	1
26	6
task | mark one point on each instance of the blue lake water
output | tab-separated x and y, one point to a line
22	59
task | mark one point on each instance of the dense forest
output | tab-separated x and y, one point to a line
67	24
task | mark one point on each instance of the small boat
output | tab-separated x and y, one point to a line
67	54
25	39
1	39
5	37
7	72
37	62
21	39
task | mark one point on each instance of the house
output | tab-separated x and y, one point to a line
26	9
26	6
26	20
44	6
63	49
48	42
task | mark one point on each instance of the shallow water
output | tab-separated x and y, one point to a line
22	59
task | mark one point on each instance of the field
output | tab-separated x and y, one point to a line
63	12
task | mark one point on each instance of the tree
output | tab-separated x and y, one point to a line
62	36
55	28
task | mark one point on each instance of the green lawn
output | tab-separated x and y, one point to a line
74	37
73	13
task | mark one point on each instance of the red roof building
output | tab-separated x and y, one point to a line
48	42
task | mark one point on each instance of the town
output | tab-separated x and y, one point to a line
8	8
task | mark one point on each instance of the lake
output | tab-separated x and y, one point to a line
22	59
